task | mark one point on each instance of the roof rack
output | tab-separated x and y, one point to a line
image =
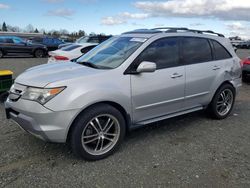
172	30
184	29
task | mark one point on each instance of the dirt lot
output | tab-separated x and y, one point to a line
188	151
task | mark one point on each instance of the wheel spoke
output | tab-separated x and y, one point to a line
107	123
98	123
108	127
98	142
90	136
89	141
93	125
111	140
102	140
110	134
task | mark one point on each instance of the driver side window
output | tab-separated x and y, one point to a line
164	52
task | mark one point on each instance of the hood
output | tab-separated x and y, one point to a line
42	75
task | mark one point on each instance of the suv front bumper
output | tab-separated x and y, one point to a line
39	121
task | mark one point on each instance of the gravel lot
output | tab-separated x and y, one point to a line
188	151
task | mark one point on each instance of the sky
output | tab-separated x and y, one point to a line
229	17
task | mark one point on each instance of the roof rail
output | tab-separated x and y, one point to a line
176	29
143	31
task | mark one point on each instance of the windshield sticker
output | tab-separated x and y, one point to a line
138	39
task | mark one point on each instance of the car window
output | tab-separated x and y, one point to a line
2	39
196	50
86	49
40	40
163	52
93	40
70	47
18	41
9	40
220	52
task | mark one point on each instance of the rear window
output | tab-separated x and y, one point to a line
220	52
196	50
70	47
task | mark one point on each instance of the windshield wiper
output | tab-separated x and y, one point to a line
89	64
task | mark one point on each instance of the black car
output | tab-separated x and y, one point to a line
96	39
245	69
49	42
16	45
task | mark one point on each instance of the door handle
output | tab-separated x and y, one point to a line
176	75
216	67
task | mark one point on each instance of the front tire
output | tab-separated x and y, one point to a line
97	132
223	102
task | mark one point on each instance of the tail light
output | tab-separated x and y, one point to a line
61	58
245	62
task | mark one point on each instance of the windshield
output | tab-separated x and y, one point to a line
113	52
82	40
70	47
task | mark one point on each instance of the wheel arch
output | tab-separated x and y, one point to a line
119	107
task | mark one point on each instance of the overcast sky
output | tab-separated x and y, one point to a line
231	17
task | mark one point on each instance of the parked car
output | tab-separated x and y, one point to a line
16	45
49	42
128	81
245	69
244	45
88	39
69	53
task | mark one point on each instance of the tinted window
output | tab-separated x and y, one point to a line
86	49
163	52
220	52
196	50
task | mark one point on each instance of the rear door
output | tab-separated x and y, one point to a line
201	70
161	92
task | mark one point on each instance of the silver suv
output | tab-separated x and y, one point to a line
134	79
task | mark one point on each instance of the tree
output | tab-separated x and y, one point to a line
29	28
4	27
36	31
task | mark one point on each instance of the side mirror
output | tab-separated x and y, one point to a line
146	66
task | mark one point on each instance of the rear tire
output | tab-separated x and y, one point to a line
39	53
223	102
97	132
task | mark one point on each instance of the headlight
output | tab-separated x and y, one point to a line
41	95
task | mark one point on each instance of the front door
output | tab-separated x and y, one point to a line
161	92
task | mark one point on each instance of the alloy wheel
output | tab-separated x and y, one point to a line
224	102
100	134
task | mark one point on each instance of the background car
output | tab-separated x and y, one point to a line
245	69
88	39
16	45
49	42
70	52
244	45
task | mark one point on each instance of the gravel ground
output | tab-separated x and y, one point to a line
188	151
